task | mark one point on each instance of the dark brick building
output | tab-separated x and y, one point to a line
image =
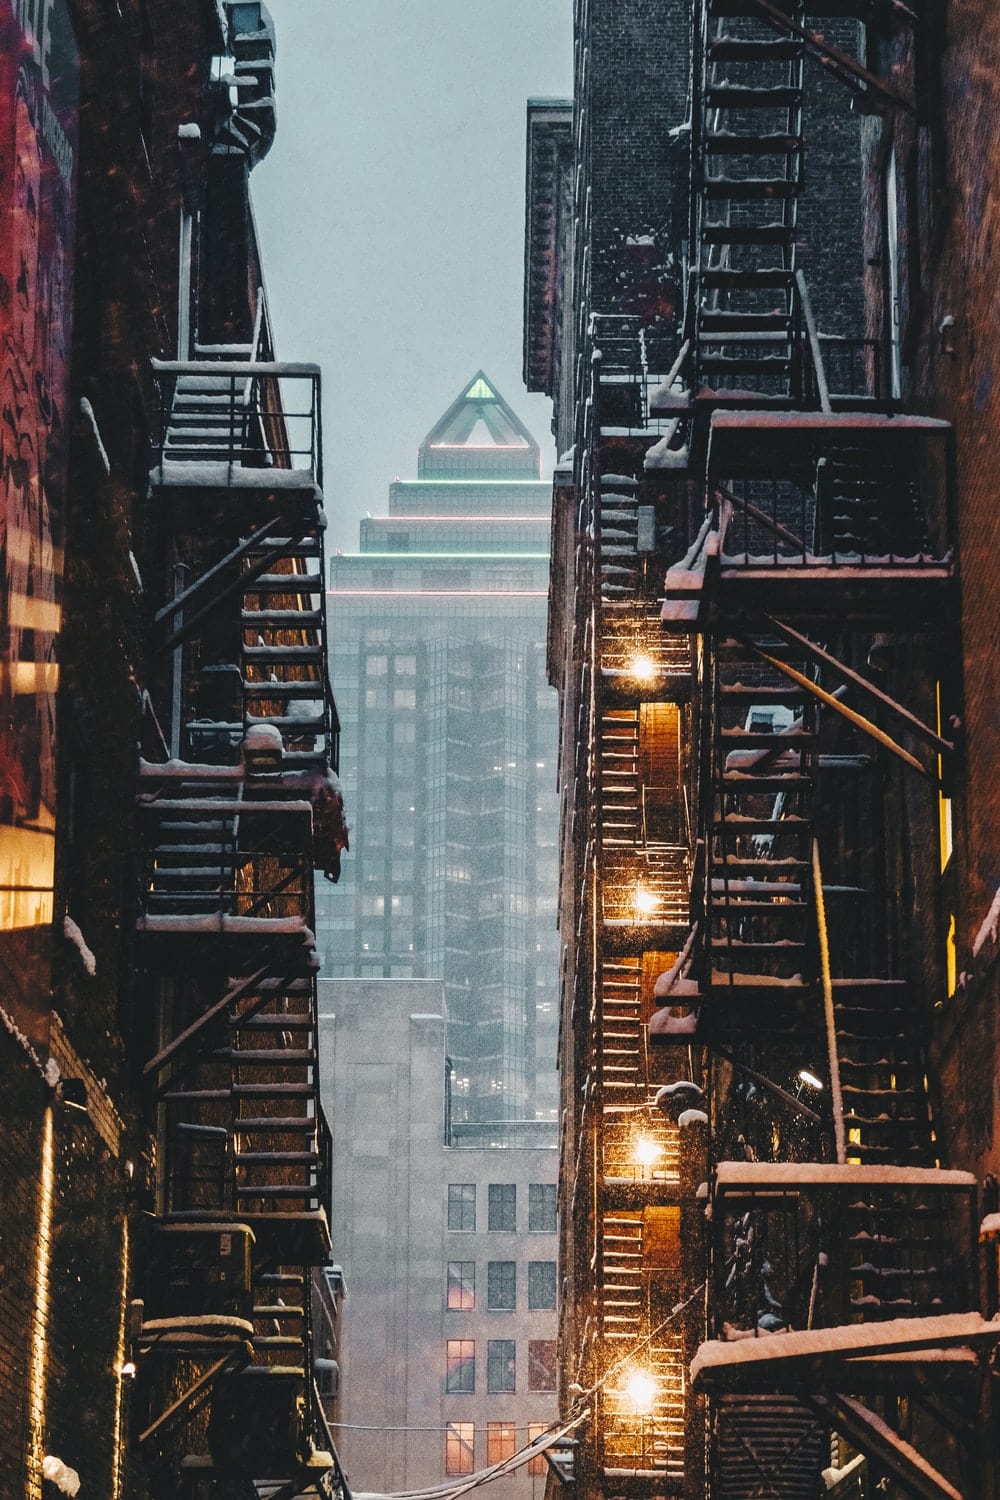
165	1157
765	329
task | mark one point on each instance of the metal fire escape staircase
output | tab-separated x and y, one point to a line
231	829
826	514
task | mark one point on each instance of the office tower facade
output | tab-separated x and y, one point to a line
449	1252
437	629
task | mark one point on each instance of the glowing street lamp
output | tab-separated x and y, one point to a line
647	1150
640	1393
646	902
642	668
810	1079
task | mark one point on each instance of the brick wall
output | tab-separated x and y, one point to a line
638	89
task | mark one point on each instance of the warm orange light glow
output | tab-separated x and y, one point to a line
646	901
31	613
647	1151
126	1371
27	867
640	1392
38	1347
642	668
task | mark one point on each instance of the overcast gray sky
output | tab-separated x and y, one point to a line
391	211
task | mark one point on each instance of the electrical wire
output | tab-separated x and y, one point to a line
534	1449
538	1445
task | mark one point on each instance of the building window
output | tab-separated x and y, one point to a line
459	1445
460	1368
541	1285
541	1364
461	1285
503	1206
500	1366
462	1205
501	1441
537	1466
542	1207
501	1285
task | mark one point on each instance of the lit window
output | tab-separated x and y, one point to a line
461	1285
462	1205
541	1364
501	1285
460	1367
541	1285
542	1207
500	1366
458	1448
503	1206
501	1441
537	1466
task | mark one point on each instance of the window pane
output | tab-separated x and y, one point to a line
500	1365
460	1368
461	1285
541	1285
541	1364
501	1441
503	1206
458	1448
501	1285
537	1466
462	1205
542	1207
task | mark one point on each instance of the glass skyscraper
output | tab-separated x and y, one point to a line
437	632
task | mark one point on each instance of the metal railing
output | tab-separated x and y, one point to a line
253	415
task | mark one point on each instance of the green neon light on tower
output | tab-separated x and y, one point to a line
479	391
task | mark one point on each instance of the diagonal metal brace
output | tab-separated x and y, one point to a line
890	1451
858	720
919	728
843	67
190	1402
214	1011
235	585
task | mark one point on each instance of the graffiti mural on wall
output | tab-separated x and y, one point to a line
38	97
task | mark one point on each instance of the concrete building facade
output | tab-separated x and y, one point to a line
448	1249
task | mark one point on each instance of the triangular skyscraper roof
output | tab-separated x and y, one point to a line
479	437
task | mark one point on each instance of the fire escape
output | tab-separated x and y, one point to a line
238	803
815	581
628	1184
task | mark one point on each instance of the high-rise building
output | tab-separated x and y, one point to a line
438	631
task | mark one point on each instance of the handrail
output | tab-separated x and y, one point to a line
814	345
836	1095
275	367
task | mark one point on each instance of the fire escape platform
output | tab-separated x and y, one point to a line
630	1194
786	1360
763	443
874	590
292	1237
623	938
757	1178
175	943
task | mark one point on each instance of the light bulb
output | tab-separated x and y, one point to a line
647	1150
640	1392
